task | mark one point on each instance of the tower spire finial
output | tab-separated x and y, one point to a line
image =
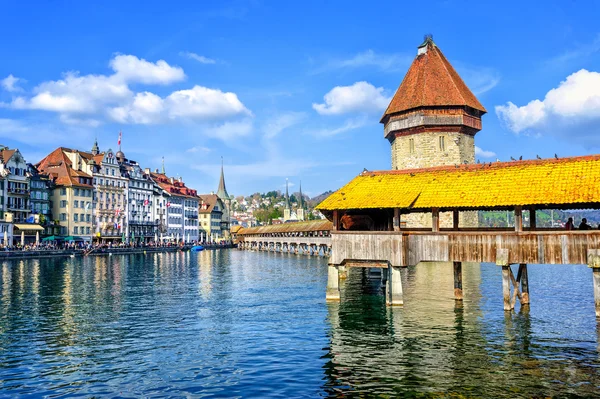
287	195
163	165
222	190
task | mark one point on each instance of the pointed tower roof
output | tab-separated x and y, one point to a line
301	202
222	191
95	149
431	82
287	195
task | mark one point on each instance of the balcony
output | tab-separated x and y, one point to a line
142	223
19	208
17	191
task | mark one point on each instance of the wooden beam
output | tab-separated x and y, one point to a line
458	291
524	280
455	219
518	218
336	221
396	219
435	219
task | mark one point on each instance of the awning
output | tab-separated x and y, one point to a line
25	227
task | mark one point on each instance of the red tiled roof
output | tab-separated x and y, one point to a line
59	167
7	154
208	199
175	188
431	82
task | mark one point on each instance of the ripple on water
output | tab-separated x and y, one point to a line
237	324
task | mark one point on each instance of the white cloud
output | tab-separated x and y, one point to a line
359	97
200	58
573	109
9	83
146	108
350	124
483	153
199	149
90	99
204	103
578	51
478	79
130	68
230	130
88	122
75	94
276	125
369	58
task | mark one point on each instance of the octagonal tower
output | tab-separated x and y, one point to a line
433	117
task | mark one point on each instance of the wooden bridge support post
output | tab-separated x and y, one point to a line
506	287
502	260
458	290
394	293
524	280
333	284
594	263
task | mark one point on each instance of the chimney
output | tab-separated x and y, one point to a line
156	170
180	179
172	181
147	171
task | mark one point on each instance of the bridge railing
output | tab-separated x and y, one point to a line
407	247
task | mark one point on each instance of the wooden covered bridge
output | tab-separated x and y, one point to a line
379	201
303	238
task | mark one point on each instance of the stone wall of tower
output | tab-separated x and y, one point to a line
426	152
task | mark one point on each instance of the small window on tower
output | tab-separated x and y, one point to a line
411	146
442	143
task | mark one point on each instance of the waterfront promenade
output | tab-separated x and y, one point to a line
52	253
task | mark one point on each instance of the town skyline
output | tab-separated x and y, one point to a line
284	104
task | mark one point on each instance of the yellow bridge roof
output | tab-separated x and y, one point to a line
564	182
312	225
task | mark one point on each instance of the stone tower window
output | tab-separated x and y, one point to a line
411	146
442	143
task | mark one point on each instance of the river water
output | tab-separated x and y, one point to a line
230	323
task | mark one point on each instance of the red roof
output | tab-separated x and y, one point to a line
60	168
431	82
173	187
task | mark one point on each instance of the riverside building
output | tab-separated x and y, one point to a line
181	208
15	192
110	196
71	193
141	218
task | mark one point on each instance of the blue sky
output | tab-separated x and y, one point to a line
283	89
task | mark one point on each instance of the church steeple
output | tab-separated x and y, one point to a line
300	211
163	166
222	190
95	149
287	211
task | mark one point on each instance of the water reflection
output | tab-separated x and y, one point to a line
241	324
437	346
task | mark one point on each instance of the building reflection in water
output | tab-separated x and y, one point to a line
426	343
